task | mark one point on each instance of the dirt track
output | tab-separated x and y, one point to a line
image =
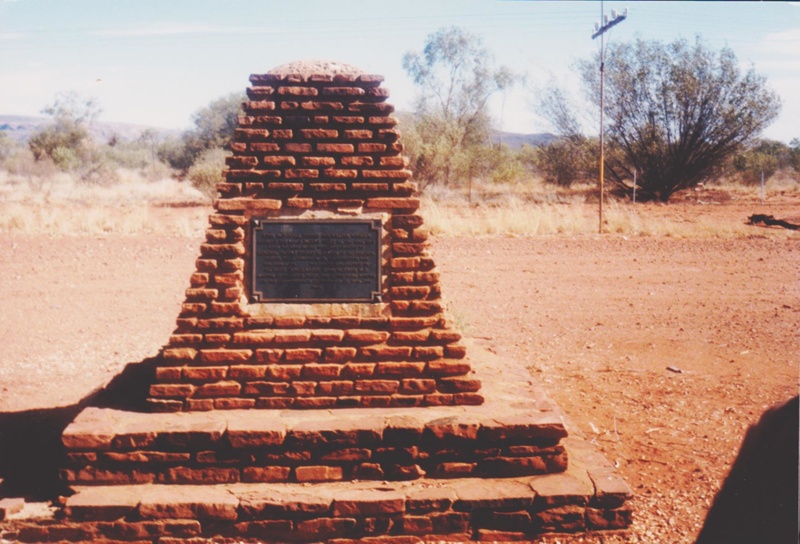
598	320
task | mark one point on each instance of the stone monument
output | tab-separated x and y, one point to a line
314	388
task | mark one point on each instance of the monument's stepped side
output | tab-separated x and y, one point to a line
322	147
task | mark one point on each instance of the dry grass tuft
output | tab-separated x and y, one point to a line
59	205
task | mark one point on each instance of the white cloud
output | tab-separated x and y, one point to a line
9	36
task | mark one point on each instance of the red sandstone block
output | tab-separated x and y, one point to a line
339	173
266	388
250	134
318	474
411	337
302	355
234	404
348	119
300	203
231	356
413	386
241	147
399	370
260	91
371	109
339	354
179	355
202	294
186	323
343	91
411	221
370	187
247	372
447	336
157	406
298	91
226	308
231	264
292	336
168	373
259	322
358	370
402	278
290	322
223	250
266	474
172	390
219	389
335	148
357	134
427	277
290	105
340	203
321	119
234	278
186	475
335	388
278	160
269	355
231	293
315	402
376	401
410	292
292	147
318	161
406	188
474	399
217	338
377	386
357	161
391	175
327	335
206	265
328	187
256	338
455	351
301	173
386	121
405	263
365	336
241	161
319	133
315	106
274	403
448	368
303	388
290	187
393	203
388	134
384	352
320	371
263	147
407	248
428	352
365	502
216	235
204	373
412	323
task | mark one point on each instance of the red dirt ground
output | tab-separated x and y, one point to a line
599	320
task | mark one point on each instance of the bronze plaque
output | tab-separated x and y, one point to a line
315	260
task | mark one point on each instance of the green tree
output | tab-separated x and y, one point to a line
456	76
66	141
676	112
214	125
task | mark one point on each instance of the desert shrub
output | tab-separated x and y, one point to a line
206	171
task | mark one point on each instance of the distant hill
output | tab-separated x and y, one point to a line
515	140
20	127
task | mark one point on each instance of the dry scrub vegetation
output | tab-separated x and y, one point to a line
58	204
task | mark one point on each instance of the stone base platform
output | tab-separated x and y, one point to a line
516	432
589	496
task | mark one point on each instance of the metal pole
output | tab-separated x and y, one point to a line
601	29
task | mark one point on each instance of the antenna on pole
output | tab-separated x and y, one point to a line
607	24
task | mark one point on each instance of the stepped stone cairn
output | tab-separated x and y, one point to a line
314	389
318	178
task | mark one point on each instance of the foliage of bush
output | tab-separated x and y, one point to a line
206	171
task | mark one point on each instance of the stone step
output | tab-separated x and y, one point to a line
582	498
107	446
516	432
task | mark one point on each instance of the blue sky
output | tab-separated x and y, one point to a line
155	62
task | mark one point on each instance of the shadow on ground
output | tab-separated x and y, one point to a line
31	453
